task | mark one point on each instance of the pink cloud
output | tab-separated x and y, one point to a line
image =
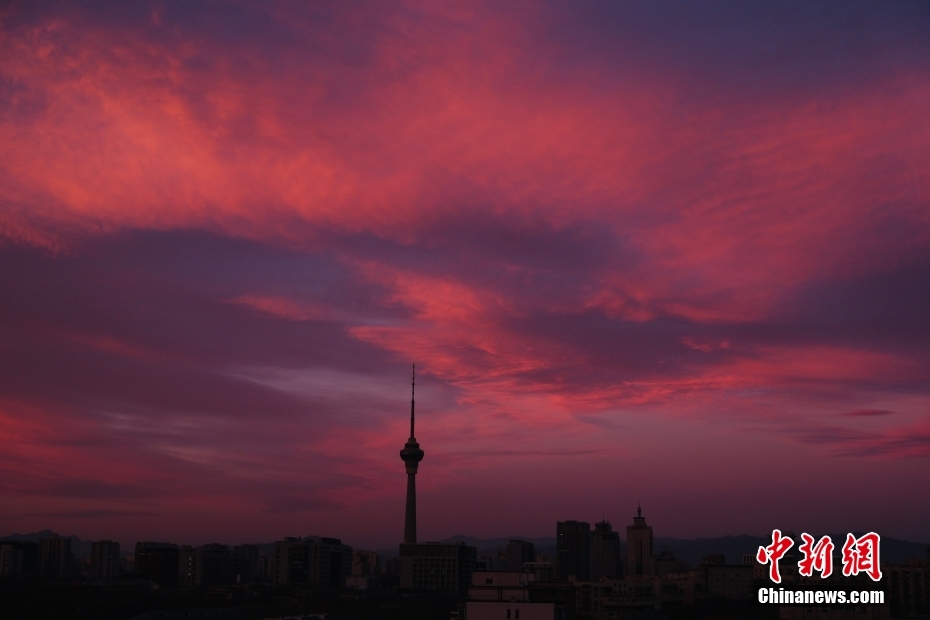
868	413
282	307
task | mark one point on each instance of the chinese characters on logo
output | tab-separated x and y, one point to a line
860	555
773	553
817	557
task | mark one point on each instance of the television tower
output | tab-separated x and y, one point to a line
412	455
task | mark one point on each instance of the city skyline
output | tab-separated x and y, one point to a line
649	253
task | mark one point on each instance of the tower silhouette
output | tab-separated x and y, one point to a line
411	455
639	558
431	565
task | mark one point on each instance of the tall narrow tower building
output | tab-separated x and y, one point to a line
639	558
411	455
429	565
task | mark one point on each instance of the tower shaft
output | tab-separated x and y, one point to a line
410	519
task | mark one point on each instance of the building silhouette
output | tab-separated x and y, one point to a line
159	561
908	587
104	560
18	559
518	552
573	550
365	563
666	562
314	561
54	558
437	566
11	559
726	581
541	571
431	565
501	595
212	565
252	556
605	552
290	562
639	558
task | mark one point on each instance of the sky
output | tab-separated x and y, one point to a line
662	253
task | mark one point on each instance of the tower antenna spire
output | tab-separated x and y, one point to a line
413	386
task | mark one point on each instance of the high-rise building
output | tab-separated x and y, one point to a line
11	559
437	566
212	565
573	550
727	581
541	571
639	558
605	552
264	568
907	587
290	562
315	561
54	558
666	562
330	562
18	559
159	561
518	552
365	563
251	553
491	561
104	560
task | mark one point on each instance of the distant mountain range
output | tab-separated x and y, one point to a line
893	550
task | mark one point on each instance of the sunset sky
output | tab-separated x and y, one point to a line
674	253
